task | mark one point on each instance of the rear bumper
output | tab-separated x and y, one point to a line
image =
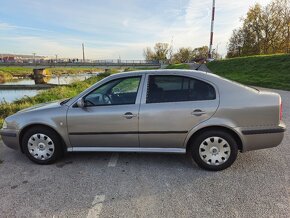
254	139
10	138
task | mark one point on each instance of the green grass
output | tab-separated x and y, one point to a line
178	66
269	71
16	70
56	93
7	73
73	70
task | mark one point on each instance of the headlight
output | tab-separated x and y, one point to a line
4	125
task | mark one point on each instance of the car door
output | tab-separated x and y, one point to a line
109	117
172	106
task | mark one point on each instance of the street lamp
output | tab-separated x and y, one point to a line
34	57
288	40
217	48
212	54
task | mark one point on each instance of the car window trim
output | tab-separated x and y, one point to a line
123	78
144	99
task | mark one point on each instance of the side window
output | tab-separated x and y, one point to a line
178	88
115	92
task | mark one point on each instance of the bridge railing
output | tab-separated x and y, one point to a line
112	62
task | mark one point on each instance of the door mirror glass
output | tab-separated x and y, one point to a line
81	103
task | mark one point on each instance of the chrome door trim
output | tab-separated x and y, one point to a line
127	149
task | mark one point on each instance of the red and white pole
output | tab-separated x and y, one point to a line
211	29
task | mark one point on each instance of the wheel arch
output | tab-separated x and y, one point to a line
22	132
233	133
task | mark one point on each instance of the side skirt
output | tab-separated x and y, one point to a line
127	149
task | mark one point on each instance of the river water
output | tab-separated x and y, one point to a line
12	95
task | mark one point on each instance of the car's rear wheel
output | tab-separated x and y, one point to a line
41	145
214	150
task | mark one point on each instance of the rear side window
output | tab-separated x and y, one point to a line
178	88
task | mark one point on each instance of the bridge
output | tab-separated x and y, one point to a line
91	63
28	87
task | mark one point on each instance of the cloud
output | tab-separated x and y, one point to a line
6	26
111	28
125	23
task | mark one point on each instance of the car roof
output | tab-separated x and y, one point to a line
197	73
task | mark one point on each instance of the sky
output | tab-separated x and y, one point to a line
112	29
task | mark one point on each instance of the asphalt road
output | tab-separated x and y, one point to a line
147	185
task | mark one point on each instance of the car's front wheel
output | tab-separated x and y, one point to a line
214	150
41	145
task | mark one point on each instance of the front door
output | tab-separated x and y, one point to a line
110	116
172	107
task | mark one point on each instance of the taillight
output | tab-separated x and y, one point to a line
281	110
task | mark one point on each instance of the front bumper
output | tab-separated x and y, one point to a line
10	138
260	138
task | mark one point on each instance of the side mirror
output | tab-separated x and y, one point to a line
81	103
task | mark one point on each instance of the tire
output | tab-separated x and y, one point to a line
41	145
214	150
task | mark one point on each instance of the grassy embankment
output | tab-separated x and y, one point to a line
178	66
56	93
271	71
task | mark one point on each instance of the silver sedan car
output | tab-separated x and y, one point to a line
168	111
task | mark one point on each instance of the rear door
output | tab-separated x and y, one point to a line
171	106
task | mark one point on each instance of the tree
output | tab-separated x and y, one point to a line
235	44
264	30
163	52
187	54
160	52
148	54
200	52
183	55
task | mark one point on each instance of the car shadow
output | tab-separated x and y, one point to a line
132	159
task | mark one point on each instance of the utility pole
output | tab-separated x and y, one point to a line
83	52
211	29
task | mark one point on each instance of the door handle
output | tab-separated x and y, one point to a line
129	115
198	112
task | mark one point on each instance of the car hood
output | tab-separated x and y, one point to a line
43	106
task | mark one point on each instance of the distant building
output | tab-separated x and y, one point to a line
7	59
13	58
